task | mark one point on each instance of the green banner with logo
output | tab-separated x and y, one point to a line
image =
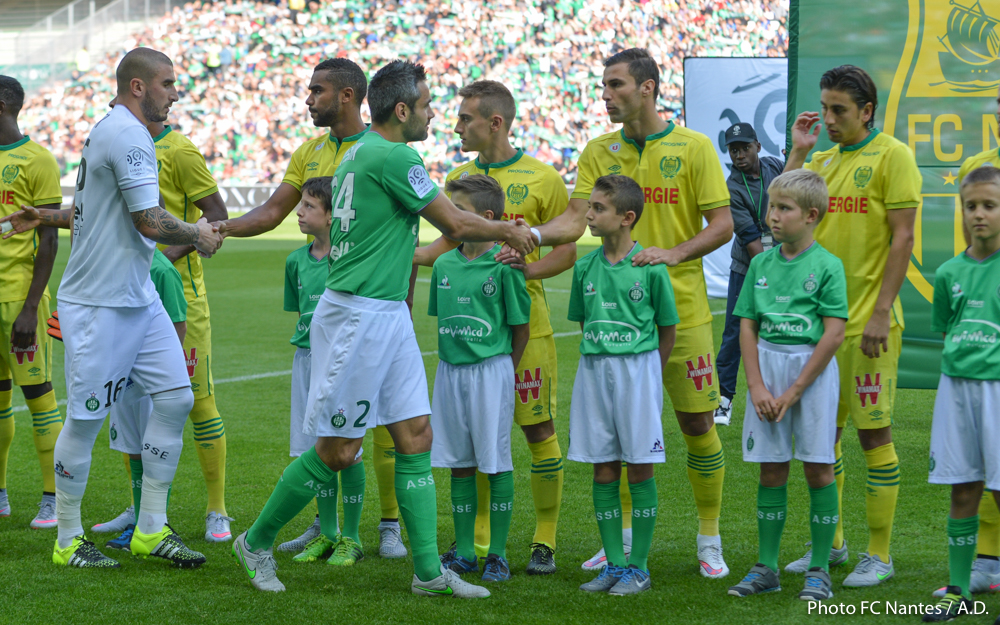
937	67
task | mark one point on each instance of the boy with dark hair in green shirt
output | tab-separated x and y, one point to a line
629	319
483	309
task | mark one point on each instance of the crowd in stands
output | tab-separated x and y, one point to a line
243	66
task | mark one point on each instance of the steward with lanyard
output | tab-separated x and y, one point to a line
748	181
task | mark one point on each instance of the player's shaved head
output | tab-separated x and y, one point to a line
483	192
641	66
494	99
141	63
342	73
12	95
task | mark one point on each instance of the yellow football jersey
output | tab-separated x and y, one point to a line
534	192
316	157
28	175
865	181
989	157
184	179
681	176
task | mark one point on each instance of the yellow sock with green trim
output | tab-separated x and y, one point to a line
882	491
483	494
46	423
626	495
706	468
989	525
838	476
384	458
6	432
546	488
210	441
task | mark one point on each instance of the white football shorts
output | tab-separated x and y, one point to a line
129	416
965	433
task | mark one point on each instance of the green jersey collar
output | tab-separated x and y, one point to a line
4	148
341	142
166	131
802	254
663	133
466	259
636	248
857	146
507	163
975	261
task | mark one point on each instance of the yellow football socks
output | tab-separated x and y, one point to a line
838	476
210	441
483	494
46	423
882	491
706	472
384	457
626	496
989	525
6	433
546	488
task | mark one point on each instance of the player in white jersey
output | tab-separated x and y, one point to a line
115	326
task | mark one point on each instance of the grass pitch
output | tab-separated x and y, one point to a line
251	335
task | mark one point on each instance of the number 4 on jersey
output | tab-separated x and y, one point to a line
342	207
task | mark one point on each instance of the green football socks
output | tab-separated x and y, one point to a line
463	509
772	508
135	467
326	505
962	551
352	487
417	497
300	482
501	511
643	521
823	517
608	507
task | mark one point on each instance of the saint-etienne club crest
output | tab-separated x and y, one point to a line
750	441
636	293
93	403
517	193
339	420
862	176
670	166
809	285
489	287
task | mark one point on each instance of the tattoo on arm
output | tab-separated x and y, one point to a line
162	227
57	218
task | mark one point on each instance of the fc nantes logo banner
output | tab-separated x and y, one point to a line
936	64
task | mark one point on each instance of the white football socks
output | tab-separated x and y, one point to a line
161	451
72	461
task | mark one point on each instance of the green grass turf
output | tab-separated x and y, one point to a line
251	337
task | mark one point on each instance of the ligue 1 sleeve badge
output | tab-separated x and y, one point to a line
93	404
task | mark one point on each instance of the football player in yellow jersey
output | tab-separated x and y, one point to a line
28	175
535	193
336	91
683	182
875	189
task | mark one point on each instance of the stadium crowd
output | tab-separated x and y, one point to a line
242	67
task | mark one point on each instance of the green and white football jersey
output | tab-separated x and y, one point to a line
305	281
967	310
620	305
378	190
789	298
476	301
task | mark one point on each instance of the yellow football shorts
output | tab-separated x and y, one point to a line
535	382
868	385
198	348
30	366
690	377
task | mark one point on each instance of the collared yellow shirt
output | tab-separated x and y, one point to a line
534	192
865	181
28	175
989	157
184	179
681	176
319	156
